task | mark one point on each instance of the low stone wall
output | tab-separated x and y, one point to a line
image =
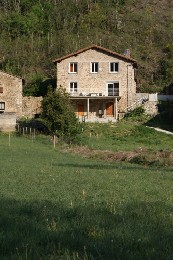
7	122
31	106
139	96
151	108
150	102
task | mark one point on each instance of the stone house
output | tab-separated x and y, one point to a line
10	100
10	93
101	83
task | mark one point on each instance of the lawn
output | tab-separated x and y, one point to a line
58	205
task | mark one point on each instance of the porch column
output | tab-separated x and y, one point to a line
116	109
88	107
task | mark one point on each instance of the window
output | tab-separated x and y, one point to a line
2	106
73	67
94	67
73	87
113	66
1	89
113	89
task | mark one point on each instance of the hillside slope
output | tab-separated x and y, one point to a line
33	32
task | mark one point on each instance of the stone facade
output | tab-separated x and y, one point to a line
10	94
94	88
31	106
10	100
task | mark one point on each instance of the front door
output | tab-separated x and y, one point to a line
110	109
80	110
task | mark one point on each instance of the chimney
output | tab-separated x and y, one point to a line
127	53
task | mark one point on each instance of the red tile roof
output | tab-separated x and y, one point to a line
99	48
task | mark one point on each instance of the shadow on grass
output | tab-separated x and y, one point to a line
45	230
161	122
114	166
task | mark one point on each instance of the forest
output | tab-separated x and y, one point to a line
34	32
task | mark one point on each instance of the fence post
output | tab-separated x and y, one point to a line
54	141
9	139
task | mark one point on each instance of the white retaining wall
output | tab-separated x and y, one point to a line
8	122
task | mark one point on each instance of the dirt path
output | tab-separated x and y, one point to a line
161	130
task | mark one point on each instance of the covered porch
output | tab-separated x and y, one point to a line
96	108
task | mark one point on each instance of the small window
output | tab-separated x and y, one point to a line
2	106
94	67
73	87
1	89
73	67
113	89
114	67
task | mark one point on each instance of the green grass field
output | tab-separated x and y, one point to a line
59	205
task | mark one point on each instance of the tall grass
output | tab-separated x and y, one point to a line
56	205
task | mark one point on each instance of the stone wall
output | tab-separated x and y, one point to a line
31	106
151	108
150	102
7	122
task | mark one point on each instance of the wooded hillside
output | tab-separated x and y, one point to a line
34	32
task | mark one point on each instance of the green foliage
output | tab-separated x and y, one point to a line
38	86
35	32
136	113
33	87
30	124
58	115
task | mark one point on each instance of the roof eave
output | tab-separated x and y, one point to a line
98	48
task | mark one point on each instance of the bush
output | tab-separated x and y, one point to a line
33	123
59	117
137	112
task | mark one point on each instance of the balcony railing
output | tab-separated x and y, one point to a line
82	94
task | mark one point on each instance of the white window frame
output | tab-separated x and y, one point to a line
2	106
93	67
72	87
113	92
73	67
114	67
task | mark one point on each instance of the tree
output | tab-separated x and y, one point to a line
58	115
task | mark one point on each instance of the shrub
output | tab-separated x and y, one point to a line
137	112
58	115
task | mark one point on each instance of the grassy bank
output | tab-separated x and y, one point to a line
126	135
58	205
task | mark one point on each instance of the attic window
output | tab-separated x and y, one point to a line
113	67
1	89
2	106
73	67
94	67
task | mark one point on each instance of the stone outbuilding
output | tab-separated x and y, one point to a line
10	100
10	93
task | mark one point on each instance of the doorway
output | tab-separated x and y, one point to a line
80	110
110	109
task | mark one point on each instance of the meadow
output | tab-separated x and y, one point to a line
56	204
